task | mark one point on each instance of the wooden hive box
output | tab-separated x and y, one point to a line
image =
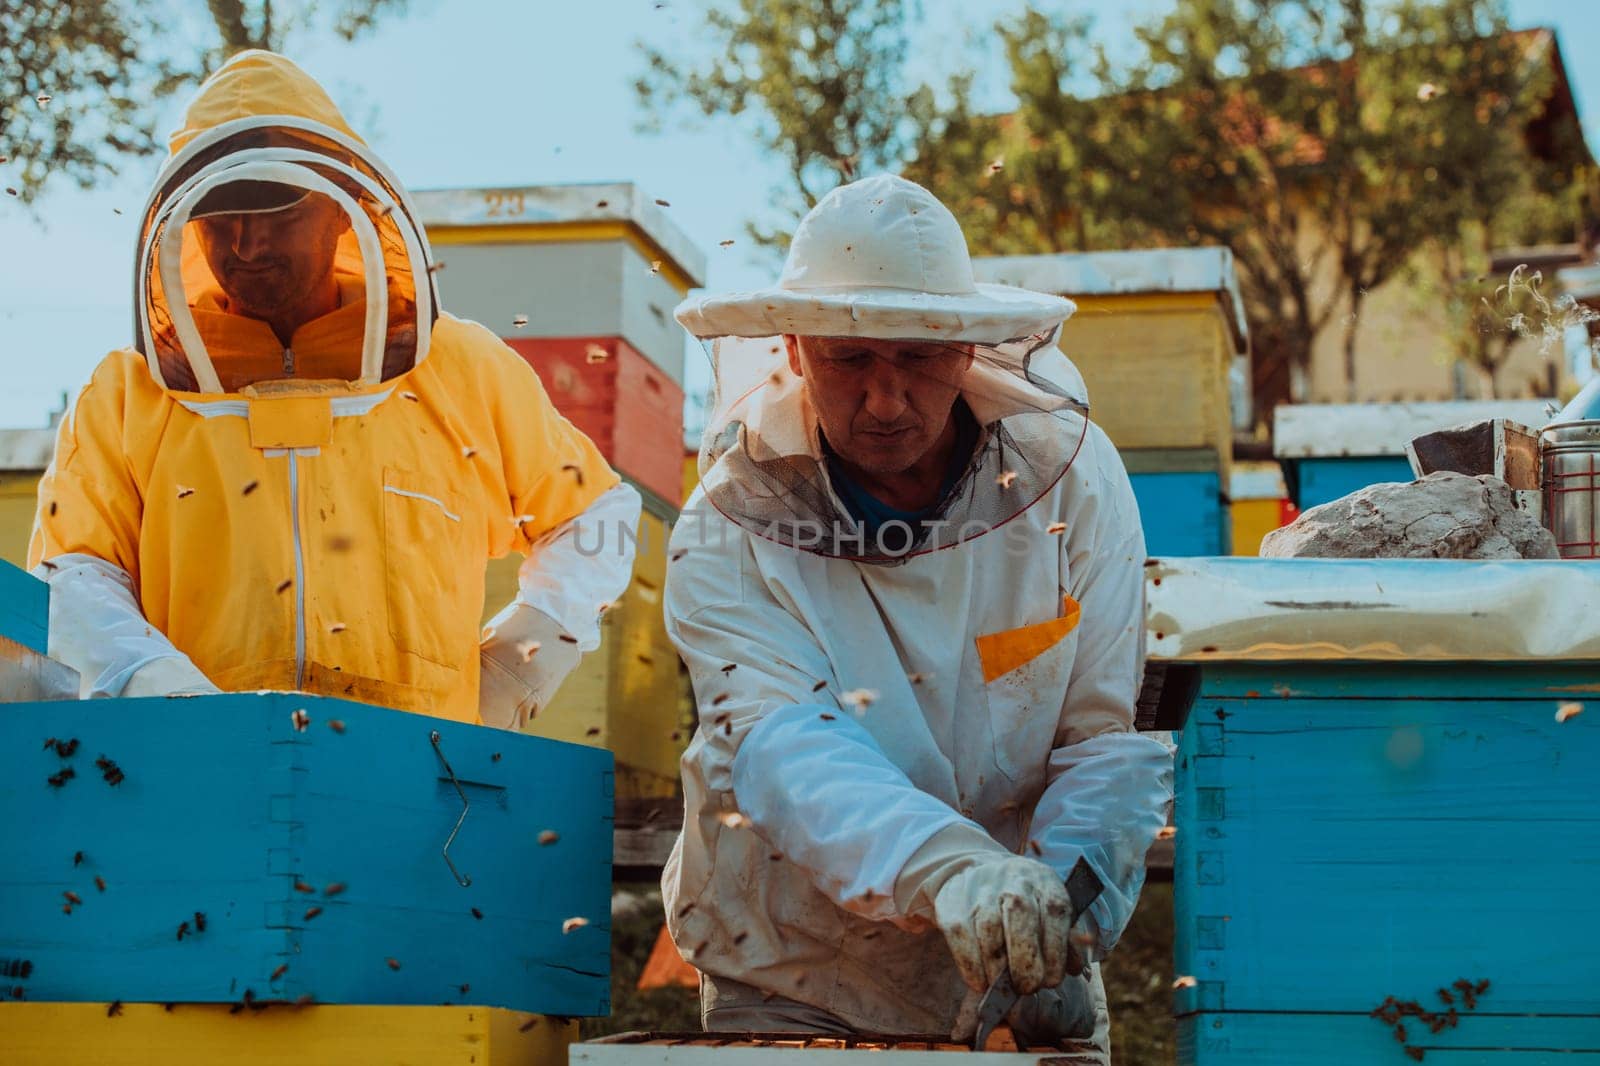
603	260
148	1034
629	407
1181	504
1383	861
1159	336
24	609
1330	450
315	857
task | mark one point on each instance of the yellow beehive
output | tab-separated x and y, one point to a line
148	1034
626	695
1158	336
1259	503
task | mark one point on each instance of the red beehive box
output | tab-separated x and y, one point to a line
628	406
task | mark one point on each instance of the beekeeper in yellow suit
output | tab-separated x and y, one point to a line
295	476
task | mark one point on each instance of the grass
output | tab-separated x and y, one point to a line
1138	979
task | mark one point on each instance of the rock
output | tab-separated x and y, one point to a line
1442	516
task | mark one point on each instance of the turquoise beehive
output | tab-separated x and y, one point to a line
278	847
1388	809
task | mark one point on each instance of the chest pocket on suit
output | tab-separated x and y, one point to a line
1025	673
428	569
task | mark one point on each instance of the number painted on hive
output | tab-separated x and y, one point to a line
504	204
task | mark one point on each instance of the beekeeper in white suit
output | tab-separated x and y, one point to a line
909	591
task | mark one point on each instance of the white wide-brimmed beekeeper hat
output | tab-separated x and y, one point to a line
880	258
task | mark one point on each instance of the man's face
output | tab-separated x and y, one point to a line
269	264
882	404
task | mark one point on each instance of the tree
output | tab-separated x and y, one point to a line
819	82
85	76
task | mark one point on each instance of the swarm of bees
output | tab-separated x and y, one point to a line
1393	1012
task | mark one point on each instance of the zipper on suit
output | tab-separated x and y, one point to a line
299	573
288	360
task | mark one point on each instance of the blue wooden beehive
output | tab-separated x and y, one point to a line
314	854
1351	831
1321	480
24	608
1182	512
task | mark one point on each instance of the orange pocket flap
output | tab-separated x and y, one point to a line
1002	652
291	422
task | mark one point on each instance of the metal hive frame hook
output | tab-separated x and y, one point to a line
461	879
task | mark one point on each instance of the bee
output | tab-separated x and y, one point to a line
312	912
725	244
1400	1033
601	205
52	508
1415	1053
44	101
717	701
775	857
1006	479
997	165
285	585
684	910
655	266
393	964
679	554
573	923
1033	846
730	668
494	757
740	939
819	686
577	472
183	930
300	720
528	649
184	492
468	452
476	913
592	731
337	627
568	638
58	779
336	724
659	203
1166	832
1568	711
548	837
434	268
732	819
410	396
305	1000
533	1021
68	749
73	898
859	699
282	969
1184	982
519	321
595	353
828	717
464	989
333	889
77	858
114	1008
251	487
301	886
99	882
1056	528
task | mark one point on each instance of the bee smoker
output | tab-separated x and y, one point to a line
1568	448
1555	471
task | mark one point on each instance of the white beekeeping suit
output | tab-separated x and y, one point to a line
875	722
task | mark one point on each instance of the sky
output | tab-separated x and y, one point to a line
464	93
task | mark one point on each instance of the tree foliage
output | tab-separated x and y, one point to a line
84	77
1327	143
819	84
